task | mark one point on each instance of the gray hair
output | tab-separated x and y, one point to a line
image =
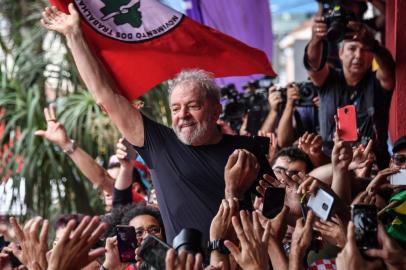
200	78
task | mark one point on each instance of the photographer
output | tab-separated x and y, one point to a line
284	115
369	91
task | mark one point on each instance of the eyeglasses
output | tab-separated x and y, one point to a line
140	232
399	159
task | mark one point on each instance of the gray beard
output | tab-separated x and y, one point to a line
196	135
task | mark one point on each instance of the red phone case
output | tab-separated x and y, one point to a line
347	123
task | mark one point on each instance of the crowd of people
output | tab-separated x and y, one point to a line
197	195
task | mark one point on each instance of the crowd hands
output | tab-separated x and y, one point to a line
298	234
252	241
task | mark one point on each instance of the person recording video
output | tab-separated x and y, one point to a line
353	84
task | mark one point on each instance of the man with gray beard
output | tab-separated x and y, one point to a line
187	162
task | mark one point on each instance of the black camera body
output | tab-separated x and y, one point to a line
337	20
253	103
337	17
307	92
190	240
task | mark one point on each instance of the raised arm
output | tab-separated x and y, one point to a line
56	134
318	71
98	81
285	132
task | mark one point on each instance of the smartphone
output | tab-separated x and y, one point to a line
153	251
347	123
321	203
131	152
262	143
126	242
274	200
365	220
398	179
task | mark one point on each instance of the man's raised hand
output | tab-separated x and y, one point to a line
55	131
55	20
240	173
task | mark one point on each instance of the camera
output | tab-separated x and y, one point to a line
307	92
337	18
253	102
190	240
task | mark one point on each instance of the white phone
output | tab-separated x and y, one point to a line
321	203
398	179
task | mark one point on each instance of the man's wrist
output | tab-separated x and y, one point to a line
70	147
73	34
231	193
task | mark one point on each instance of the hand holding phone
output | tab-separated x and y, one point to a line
274	200
398	179
321	203
365	221
347	123
126	242
153	251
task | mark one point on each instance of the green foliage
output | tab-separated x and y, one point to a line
30	78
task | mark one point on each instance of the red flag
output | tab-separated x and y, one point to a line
143	42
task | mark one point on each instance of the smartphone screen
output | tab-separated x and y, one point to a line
347	123
366	226
321	203
153	251
262	143
127	243
274	200
399	178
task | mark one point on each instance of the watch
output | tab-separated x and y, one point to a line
217	245
71	148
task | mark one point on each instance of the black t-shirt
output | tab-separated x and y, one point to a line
372	104
189	180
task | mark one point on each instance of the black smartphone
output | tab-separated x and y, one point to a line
153	251
274	200
365	221
262	143
126	242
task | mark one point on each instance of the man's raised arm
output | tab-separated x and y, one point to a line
98	81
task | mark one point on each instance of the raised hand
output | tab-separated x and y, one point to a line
381	180
310	185
55	20
319	29
252	253
301	238
292	94
390	252
341	155
221	226
364	198
184	261
55	131
332	231
33	245
112	260
73	249
350	257
311	143
362	159
240	173
125	152
274	98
